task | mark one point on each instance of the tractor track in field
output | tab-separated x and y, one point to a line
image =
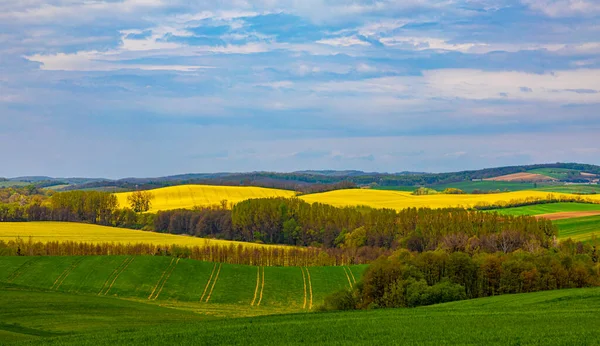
257	285
351	274
115	275
166	279
305	293
63	276
214	283
208	283
262	288
20	270
160	281
310	305
348	277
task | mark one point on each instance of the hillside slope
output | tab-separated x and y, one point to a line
566	317
189	196
213	288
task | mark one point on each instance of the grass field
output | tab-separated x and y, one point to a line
549	208
189	196
579	229
565	317
211	288
572	188
556	173
400	200
81	232
468	186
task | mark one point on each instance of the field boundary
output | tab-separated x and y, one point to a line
208	283
214	283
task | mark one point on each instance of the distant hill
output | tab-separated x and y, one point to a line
323	180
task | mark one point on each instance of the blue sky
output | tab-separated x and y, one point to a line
156	87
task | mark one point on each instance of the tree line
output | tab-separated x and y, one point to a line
233	253
295	222
409	279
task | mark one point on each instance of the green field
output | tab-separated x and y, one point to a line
556	173
580	229
572	188
539	209
469	186
214	288
565	317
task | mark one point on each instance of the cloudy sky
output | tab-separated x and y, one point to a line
155	87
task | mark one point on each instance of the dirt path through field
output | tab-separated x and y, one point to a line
568	215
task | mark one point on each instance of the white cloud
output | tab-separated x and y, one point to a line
564	8
97	61
344	41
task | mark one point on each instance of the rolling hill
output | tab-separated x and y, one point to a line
83	232
564	317
210	288
189	196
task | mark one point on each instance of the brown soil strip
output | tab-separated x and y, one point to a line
214	282
568	215
208	283
533	177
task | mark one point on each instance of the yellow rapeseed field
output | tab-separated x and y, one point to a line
188	196
81	232
401	200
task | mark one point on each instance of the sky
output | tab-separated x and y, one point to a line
120	88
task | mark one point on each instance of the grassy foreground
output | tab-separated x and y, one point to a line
566	317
